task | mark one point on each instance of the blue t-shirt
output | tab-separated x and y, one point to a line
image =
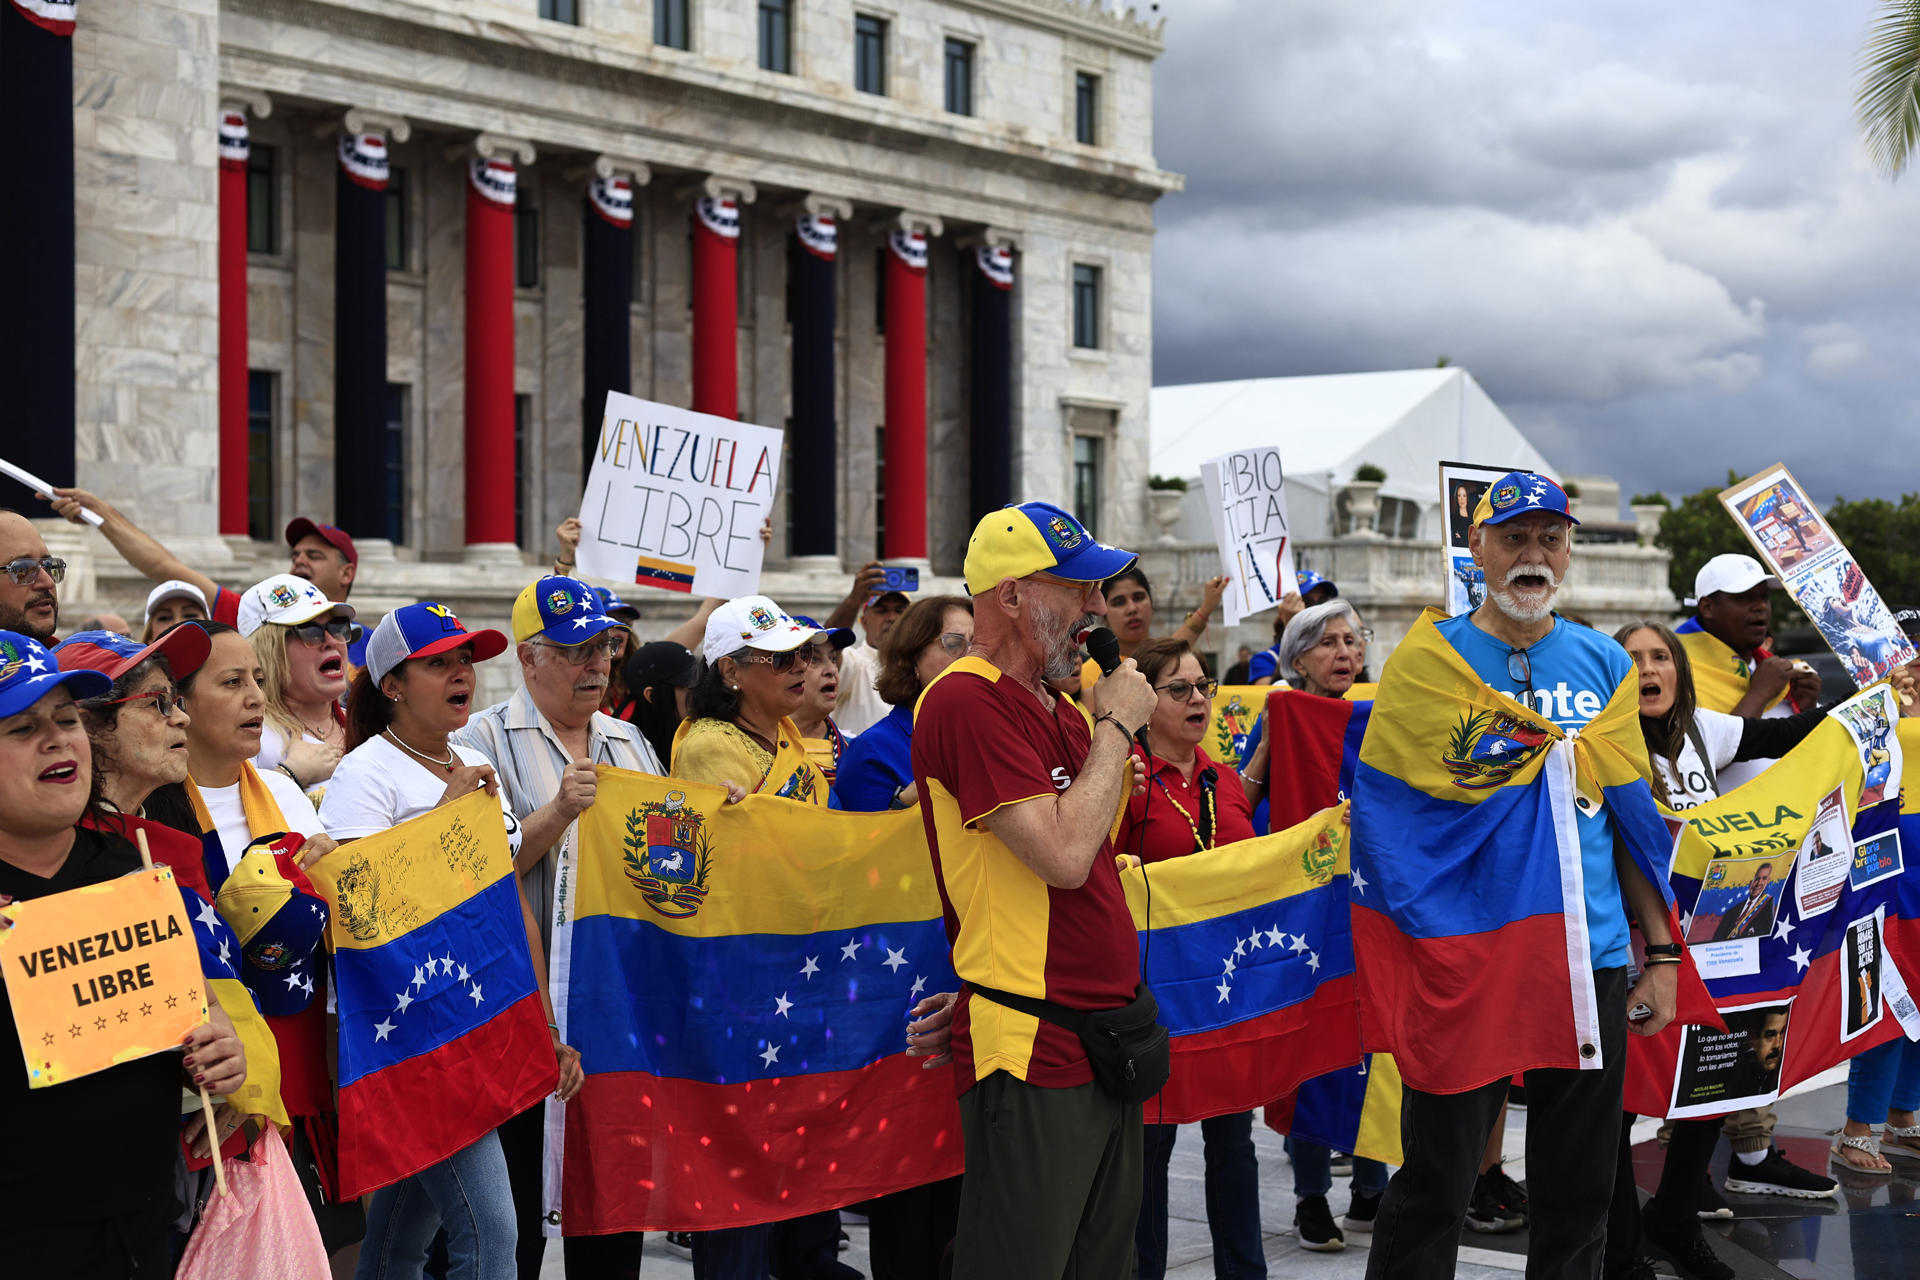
875	765
1265	663
1575	671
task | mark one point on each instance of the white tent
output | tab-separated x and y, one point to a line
1405	422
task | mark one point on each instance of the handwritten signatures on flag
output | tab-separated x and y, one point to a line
669	855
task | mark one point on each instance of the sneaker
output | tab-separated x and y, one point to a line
1708	1202
1685	1243
1361	1212
1313	1224
1489	1211
680	1243
1778	1176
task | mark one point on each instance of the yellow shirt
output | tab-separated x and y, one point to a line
719	751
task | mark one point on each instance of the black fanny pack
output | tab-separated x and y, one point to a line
1127	1047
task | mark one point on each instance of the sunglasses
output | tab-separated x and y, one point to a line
315	634
164	701
24	570
579	655
1181	690
1520	671
806	655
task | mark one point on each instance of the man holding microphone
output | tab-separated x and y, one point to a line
1021	791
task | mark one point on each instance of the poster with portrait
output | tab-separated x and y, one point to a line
1826	857
1722	1071
1739	904
1819	572
1861	954
1461	486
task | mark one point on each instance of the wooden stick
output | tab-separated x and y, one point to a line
206	1103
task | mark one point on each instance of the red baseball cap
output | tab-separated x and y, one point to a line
334	536
184	647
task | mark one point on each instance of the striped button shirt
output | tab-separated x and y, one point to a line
526	753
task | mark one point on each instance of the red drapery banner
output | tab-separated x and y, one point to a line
906	397
716	309
233	322
490	464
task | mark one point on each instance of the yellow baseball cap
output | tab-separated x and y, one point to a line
1037	537
560	608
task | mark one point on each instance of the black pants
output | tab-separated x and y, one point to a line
1573	1132
1689	1154
910	1232
608	1257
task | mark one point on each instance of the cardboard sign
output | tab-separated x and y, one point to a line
1819	573
675	499
1722	1071
1461	486
1247	502
101	975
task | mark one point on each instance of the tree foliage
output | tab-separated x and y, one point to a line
1696	530
1887	103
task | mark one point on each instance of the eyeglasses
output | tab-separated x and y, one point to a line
24	570
314	634
1354	638
955	643
806	655
1520	671
1181	690
579	655
164	701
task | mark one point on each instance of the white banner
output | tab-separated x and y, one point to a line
1247	502
675	499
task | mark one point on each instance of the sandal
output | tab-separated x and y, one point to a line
1860	1142
1901	1142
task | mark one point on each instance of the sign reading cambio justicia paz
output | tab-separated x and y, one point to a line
675	499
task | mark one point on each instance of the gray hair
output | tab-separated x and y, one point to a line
1304	632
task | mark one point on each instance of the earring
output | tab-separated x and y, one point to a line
734	687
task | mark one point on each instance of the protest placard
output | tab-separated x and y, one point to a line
1861	975
1461	485
675	499
1247	502
1722	1071
101	975
1819	573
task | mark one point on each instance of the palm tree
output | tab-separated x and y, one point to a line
1888	102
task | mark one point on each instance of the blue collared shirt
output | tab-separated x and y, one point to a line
876	764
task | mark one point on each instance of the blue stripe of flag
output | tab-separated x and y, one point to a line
1279	945
1350	743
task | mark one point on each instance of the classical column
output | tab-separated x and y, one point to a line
234	476
607	347
360	322
812	488
36	243
990	479
906	394
716	311
491	466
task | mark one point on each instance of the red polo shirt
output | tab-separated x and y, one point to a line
1161	823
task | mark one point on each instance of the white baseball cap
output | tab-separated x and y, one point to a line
285	601
753	622
175	589
1732	573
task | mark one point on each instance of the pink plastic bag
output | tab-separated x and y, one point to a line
262	1228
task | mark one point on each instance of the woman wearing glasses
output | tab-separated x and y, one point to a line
301	639
876	770
1188	806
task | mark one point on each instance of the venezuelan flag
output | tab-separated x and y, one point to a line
1468	905
737	979
668	575
1248	951
442	1032
1802	961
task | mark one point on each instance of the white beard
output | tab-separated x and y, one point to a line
1525	610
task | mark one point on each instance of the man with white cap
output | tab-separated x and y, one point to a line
175	601
1726	639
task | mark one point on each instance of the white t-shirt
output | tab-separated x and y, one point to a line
230	819
377	785
861	706
1720	734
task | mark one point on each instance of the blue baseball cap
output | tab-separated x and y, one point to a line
420	631
562	609
1306	580
29	673
1037	537
838	637
1518	492
614	607
113	654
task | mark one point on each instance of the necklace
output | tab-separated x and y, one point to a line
446	764
1208	811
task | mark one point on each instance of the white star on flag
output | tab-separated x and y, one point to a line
1224	990
293	981
1228	971
1313	961
1299	944
1686	922
846	952
810	968
306	985
895	959
207	916
225	956
1783	929
1255	941
418	981
1359	882
1275	937
475	993
464	975
381	1030
772	1055
403	1000
1239	947
919	985
781	1004
1801	959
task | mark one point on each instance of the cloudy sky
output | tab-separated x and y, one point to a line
1648	229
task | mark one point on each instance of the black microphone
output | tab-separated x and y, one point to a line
1104	648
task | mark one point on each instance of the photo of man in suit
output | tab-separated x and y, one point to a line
1753	918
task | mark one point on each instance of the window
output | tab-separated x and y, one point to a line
526	242
263	201
869	53
776	36
522	430
398	393
959	77
396	220
1086	482
260	398
561	11
1086	306
670	25
880	492
1086	108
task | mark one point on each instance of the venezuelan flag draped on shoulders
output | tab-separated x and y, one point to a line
736	979
1469	898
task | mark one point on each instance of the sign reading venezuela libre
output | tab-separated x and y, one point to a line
101	975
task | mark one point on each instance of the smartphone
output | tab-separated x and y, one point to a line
900	578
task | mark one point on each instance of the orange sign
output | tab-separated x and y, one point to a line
101	975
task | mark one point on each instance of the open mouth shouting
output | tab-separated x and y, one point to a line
1197	719
63	773
333	667
252	725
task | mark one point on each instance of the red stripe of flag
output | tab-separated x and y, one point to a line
1245	1065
